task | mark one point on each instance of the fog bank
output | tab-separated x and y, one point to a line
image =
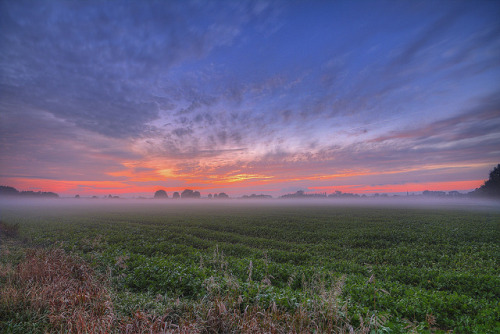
145	205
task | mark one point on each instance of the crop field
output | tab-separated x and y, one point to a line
257	267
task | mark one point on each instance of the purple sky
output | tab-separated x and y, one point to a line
126	97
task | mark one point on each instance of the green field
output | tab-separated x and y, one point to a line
381	269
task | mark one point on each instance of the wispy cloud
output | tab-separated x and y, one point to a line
247	93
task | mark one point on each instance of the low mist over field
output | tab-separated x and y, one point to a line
246	266
201	205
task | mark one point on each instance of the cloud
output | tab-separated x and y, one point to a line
478	121
125	70
428	35
37	143
467	139
181	132
192	90
102	66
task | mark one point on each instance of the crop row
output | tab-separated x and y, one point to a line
403	263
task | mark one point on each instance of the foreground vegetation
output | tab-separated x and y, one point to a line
248	268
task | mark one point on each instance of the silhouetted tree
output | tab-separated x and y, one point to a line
340	194
187	193
302	194
8	191
491	187
209	195
254	196
176	195
161	194
223	195
433	193
30	193
77	196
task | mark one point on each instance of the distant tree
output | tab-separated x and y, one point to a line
433	193
187	193
8	191
161	194
176	195
339	193
77	196
302	194
491	187
223	195
30	193
209	195
454	193
254	196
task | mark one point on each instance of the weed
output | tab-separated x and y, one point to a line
8	230
60	290
268	269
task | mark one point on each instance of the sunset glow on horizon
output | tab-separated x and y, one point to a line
248	97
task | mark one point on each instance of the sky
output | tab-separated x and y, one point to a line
242	97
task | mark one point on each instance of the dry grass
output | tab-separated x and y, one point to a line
219	317
62	291
59	289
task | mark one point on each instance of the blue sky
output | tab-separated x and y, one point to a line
248	96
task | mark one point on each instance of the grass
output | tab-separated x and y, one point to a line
51	291
58	292
249	268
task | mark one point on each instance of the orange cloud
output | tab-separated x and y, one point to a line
407	187
63	186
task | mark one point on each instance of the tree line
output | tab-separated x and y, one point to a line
11	191
187	193
490	188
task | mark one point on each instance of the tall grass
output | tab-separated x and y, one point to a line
58	292
50	291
